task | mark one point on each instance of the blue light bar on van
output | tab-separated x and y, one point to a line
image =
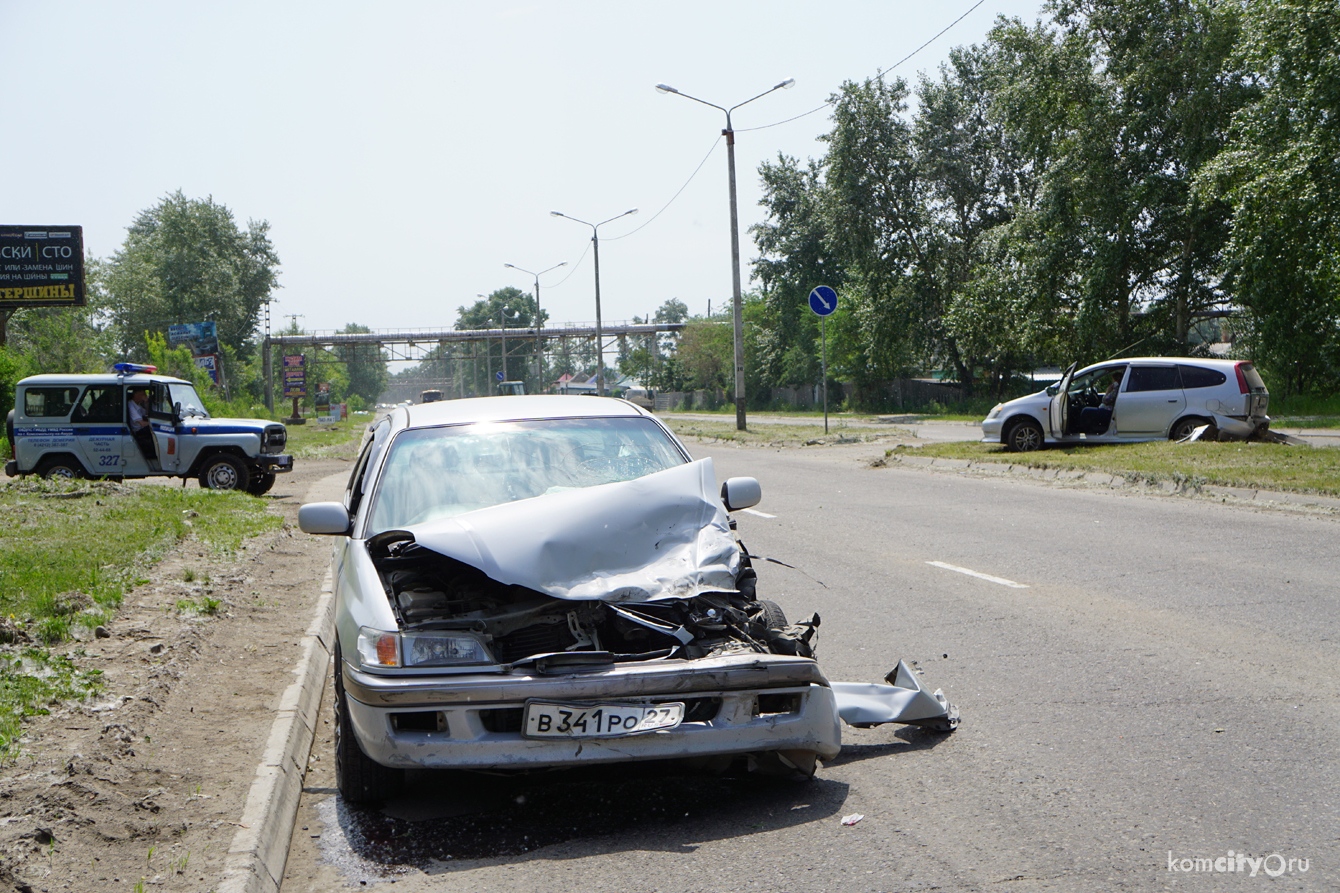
131	368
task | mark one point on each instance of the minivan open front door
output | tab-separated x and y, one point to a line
1058	414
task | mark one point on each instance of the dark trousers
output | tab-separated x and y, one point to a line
1094	420
145	438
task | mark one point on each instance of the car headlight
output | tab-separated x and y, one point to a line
377	648
995	411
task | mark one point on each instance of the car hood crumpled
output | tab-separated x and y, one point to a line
665	535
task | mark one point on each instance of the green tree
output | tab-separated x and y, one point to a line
185	261
517	309
1118	116
365	365
1280	176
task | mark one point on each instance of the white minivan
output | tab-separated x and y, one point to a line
1156	398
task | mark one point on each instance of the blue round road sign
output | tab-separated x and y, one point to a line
823	300
498	375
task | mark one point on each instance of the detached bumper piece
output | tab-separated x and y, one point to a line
903	700
1225	429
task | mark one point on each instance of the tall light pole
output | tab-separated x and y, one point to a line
595	251
539	357
729	134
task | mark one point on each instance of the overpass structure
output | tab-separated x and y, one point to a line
419	345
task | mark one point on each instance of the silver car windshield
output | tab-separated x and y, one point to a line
434	473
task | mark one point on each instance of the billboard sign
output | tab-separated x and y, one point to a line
209	363
41	266
201	337
295	376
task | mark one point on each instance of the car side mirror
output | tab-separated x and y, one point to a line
741	493
176	411
324	518
1051	391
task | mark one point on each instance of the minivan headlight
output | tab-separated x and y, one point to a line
381	649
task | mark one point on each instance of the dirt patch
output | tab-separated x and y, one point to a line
146	784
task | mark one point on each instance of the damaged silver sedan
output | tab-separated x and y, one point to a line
536	582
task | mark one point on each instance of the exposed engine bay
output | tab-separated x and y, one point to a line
431	591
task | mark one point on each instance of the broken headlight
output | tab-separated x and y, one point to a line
377	648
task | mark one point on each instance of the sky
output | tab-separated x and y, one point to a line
404	152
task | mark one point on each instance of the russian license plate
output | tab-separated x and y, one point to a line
551	720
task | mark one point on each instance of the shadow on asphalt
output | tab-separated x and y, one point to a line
454	817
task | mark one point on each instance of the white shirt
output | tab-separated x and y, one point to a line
139	415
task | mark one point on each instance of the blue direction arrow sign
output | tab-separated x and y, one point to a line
498	375
823	300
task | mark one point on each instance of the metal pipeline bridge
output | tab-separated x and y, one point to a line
418	346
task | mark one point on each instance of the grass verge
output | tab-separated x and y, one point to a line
69	551
1256	466
777	434
328	440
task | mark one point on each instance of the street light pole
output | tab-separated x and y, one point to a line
729	134
539	355
595	252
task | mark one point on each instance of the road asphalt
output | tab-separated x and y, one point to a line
260	847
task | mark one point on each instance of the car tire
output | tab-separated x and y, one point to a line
1182	428
358	778
60	469
261	484
772	615
224	472
1024	436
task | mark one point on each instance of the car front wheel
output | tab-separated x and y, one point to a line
1024	437
358	778
261	484
224	473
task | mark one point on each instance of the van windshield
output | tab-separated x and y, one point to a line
184	396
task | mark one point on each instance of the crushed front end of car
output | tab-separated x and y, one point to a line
590	625
599	624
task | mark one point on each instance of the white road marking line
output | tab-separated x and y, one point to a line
963	570
760	514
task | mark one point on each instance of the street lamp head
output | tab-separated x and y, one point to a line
786	84
557	214
665	88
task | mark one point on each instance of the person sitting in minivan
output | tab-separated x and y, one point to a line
1096	419
140	429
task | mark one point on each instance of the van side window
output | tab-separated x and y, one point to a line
1200	377
100	403
48	402
1153	378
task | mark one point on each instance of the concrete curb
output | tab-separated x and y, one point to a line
255	862
1107	481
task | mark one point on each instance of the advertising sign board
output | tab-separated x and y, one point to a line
41	266
201	337
295	376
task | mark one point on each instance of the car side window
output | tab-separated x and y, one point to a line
1200	377
100	403
1153	378
49	402
374	440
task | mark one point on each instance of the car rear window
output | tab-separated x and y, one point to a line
1254	380
1153	378
1200	377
